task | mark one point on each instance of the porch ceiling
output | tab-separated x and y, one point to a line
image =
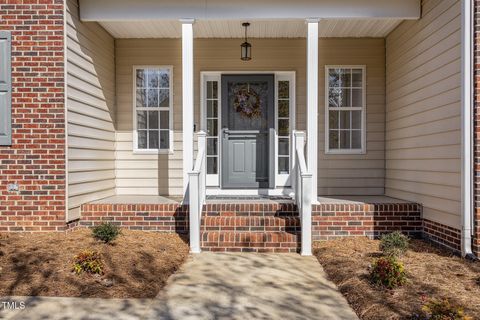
328	28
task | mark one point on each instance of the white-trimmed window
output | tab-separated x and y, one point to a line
153	109
345	109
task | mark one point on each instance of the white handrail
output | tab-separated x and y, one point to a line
197	192
303	193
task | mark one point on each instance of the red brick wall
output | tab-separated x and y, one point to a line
476	240
442	235
36	159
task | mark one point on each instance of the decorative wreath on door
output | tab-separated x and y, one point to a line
247	103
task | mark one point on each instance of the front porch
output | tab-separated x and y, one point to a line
331	121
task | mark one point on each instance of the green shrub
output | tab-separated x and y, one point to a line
88	261
436	309
106	232
394	244
388	272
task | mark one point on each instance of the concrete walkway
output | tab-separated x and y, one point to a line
216	286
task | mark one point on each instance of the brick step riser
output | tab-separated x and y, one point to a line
250	241
283	224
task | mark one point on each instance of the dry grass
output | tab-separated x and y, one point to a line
137	264
431	273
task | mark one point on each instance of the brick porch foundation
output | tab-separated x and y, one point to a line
272	227
331	221
148	217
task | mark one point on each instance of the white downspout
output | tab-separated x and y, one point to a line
467	128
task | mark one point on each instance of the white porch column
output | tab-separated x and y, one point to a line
312	102
187	98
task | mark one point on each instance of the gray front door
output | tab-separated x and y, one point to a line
247	120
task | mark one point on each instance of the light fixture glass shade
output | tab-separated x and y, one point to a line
246	51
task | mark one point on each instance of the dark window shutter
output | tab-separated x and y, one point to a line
5	88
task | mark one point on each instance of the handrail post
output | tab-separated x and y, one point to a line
194	218
196	185
303	193
202	145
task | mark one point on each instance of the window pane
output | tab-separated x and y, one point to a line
212	146
141	119
215	90
334	98
356	139
283	147
357	98
344	98
283	127
209	90
333	119
153	78
344	119
164	98
283	165
141	79
153	119
356	119
152	98
153	139
345	139
212	127
345	78
357	78
164	139
164	120
141	98
212	165
333	139
142	139
283	108
283	89
212	109
164	79
334	78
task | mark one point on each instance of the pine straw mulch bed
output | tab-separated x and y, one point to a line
432	273
137	264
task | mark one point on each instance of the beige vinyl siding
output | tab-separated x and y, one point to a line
423	111
338	174
147	174
361	174
90	112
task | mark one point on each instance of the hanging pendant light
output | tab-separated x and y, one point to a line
246	47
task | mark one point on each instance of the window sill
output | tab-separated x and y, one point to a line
152	151
345	152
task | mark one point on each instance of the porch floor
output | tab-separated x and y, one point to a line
135	199
358	200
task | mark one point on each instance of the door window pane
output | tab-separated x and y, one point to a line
283	165
283	146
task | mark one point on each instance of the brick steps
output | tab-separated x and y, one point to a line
250	227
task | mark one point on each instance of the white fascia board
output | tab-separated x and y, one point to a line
129	10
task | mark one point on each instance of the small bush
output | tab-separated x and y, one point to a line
388	272
436	309
106	232
88	261
394	244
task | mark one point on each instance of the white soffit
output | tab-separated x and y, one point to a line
328	28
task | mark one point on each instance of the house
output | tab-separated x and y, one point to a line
250	125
